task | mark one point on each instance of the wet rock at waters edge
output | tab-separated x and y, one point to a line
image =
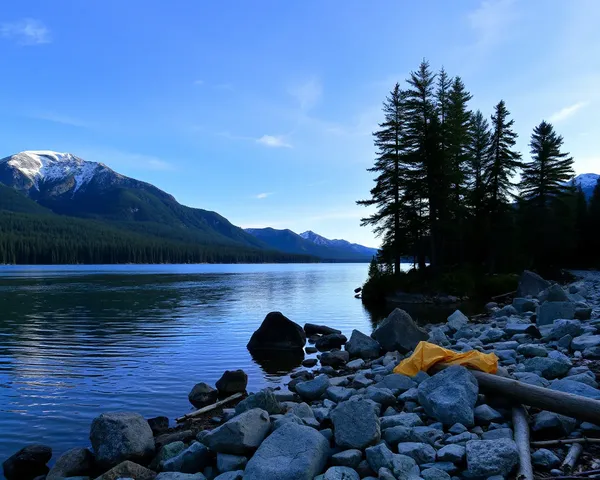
27	463
231	382
240	435
309	362
329	342
312	329
399	332
263	399
313	389
457	320
277	332
72	463
450	395
531	283
128	469
362	346
119	436
191	460
292	452
335	359
356	424
158	425
491	457
202	395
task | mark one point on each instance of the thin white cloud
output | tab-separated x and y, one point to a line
59	118
117	159
274	141
307	93
199	82
26	32
490	22
567	112
263	195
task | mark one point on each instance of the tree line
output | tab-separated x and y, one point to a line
53	239
452	191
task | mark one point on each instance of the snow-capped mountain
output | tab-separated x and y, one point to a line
336	243
588	182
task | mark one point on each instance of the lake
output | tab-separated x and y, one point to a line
76	341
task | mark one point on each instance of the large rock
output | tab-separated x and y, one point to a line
230	463
328	342
548	367
562	327
545	459
356	424
72	463
167	452
341	473
397	383
27	463
549	311
240	435
292	452
263	399
420	452
128	469
523	305
486	458
399	332
401	466
531	283
335	359
232	381
554	293
202	394
362	346
576	388
450	396
277	332
312	329
313	389
550	424
457	320
191	460
585	341
347	458
120	436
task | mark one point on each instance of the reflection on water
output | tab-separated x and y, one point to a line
79	340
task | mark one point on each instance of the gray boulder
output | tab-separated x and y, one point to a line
484	415
450	396
356	424
239	475
401	419
419	452
240	435
192	460
491	457
341	473
230	463
451	453
335	359
492	335
532	350
313	389
522	329
399	332
401	466
549	311
497	433
523	305
562	327
531	284
277	332
434	474
72	463
567	385
28	463
128	470
585	341
292	452
202	394
438	337
339	394
232	381
312	329
329	342
283	419
549	368
347	458
362	346
532	379
545	459
554	293
550	423
166	452
396	383
263	399
383	396
457	320
120	436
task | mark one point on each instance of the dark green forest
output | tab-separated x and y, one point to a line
452	191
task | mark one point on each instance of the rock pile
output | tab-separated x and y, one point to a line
353	418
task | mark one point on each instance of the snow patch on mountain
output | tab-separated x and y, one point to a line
587	180
49	166
337	243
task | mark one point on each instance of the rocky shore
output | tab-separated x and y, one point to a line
348	416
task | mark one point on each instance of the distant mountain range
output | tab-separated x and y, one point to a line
310	243
52	202
588	183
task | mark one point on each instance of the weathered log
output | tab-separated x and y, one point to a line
571	459
507	294
521	429
563	441
576	406
208	408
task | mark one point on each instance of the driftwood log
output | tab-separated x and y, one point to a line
208	408
563	441
521	429
571	459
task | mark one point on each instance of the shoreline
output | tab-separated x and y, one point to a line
412	435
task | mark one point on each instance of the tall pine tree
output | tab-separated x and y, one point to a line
388	220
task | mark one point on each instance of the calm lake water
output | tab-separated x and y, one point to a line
76	341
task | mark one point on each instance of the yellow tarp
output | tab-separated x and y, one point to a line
426	355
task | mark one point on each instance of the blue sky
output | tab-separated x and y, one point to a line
263	110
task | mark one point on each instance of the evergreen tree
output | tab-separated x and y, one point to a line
374	272
546	175
478	163
389	221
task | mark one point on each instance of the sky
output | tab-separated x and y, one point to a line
264	111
